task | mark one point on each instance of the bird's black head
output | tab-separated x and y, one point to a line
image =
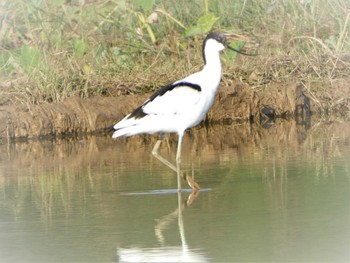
221	38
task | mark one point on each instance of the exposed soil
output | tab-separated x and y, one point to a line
239	102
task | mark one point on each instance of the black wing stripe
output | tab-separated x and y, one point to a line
172	86
138	113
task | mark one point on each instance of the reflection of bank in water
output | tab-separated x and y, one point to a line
202	146
166	253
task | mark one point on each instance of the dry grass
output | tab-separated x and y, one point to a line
50	51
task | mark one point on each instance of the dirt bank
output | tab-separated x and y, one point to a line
238	102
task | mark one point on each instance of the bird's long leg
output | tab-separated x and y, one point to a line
189	179
160	158
178	161
191	182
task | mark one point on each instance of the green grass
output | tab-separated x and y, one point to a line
50	50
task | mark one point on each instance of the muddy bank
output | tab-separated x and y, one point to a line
238	102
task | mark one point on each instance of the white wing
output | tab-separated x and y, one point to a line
179	100
156	113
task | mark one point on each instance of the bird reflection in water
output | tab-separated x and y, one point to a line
166	253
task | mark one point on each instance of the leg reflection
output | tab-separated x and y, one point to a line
164	252
164	222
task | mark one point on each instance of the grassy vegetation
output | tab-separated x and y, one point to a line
50	50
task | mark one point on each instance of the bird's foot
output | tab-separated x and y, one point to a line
191	182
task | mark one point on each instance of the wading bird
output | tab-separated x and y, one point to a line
180	105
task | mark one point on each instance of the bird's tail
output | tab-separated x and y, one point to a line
120	133
129	127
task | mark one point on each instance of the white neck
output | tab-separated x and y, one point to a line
210	76
212	67
212	60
